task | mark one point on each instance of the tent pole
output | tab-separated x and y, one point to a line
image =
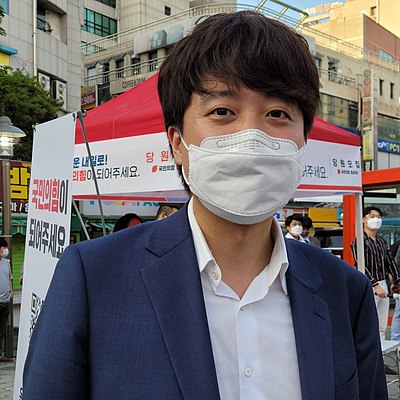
80	117
349	227
359	234
78	213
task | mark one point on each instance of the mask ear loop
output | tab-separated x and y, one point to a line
183	141
183	169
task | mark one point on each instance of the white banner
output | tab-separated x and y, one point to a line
128	165
142	168
330	168
48	224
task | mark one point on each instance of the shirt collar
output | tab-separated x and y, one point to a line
203	252
278	264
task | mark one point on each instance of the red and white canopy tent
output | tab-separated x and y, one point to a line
129	146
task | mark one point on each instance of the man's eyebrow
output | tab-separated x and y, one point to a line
207	96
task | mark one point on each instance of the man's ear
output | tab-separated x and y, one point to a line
175	141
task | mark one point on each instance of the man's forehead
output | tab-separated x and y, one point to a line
213	87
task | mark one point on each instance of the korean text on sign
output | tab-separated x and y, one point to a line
46	237
50	195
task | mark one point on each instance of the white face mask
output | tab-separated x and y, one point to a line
244	177
374	223
5	252
296	230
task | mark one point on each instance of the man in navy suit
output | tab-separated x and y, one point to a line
212	302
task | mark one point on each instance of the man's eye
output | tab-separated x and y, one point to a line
278	114
221	111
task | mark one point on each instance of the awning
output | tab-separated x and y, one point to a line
119	57
18	224
109	225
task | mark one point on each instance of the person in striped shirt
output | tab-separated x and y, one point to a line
379	264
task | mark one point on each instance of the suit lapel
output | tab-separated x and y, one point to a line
174	287
312	327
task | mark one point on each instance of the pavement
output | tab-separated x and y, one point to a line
392	380
7	372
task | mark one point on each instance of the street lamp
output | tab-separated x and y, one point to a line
9	135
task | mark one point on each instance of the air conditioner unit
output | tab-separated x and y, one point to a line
60	93
44	81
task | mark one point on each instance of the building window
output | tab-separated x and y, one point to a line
119	65
153	61
91	76
110	3
338	111
388	128
135	62
167	10
332	70
106	72
4	6
372	12
381	81
41	22
383	55
103	92
391	90
318	63
99	24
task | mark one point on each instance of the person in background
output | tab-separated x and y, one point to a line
213	303
21	274
379	264
6	292
294	226
167	209
126	221
395	328
307	227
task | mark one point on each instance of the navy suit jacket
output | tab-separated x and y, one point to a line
124	318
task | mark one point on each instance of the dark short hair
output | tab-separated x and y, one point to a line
240	48
307	222
123	221
3	242
293	217
168	208
367	210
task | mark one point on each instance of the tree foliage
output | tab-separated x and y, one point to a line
26	103
2	31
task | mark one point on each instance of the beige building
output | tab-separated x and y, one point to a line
369	24
346	13
43	39
368	31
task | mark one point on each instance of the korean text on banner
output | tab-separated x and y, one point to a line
329	169
127	165
48	224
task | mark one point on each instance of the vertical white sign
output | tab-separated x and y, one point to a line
48	224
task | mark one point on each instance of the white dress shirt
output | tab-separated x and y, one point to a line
252	338
300	239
